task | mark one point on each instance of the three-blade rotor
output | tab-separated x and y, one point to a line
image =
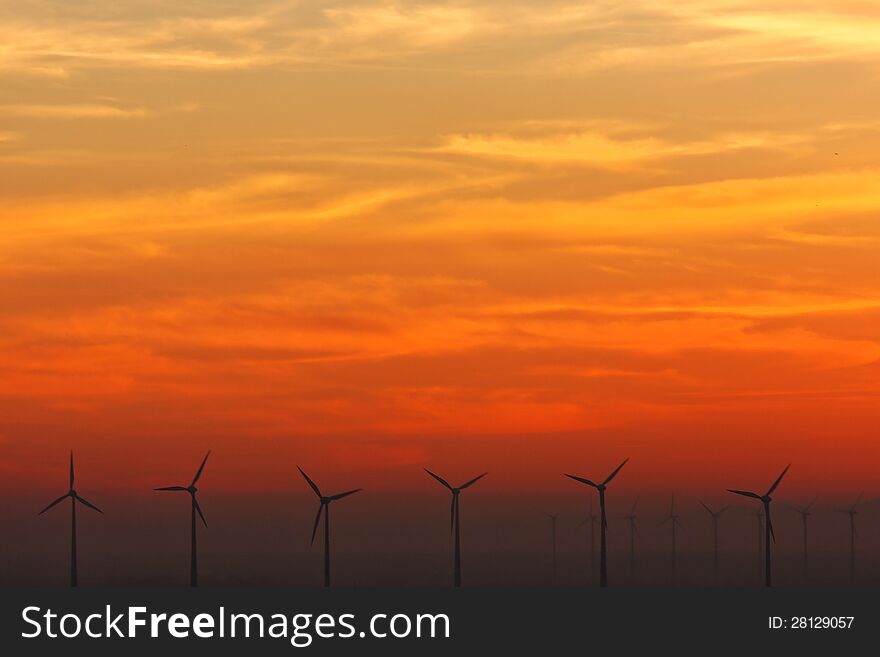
71	493
191	489
602	485
712	512
765	499
455	490
324	500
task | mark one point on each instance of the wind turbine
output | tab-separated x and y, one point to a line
674	522
632	537
765	499
715	517
851	512
324	507
455	525
194	509
74	498
592	519
553	518
603	561
805	514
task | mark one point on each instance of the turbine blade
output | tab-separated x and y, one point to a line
723	509
339	496
858	499
472	481
199	510
171	488
705	506
744	492
71	469
311	483
635	504
439	478
812	502
88	504
201	467
616	470
582	480
778	479
317	522
60	499
770	526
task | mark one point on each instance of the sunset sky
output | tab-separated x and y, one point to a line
369	237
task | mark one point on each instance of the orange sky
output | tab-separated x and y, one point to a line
372	236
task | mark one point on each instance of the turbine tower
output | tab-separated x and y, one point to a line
851	512
765	499
633	532
759	535
603	560
715	515
592	519
74	498
455	524
805	514
324	508
674	522
194	509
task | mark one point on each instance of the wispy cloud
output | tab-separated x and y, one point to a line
73	111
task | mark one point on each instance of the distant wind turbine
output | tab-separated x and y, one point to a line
603	560
194	509
74	498
455	524
805	514
592	519
324	508
553	518
851	512
674	522
633	531
715	515
765	499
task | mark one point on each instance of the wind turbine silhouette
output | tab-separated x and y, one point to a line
631	516
715	516
765	499
553	518
805	514
324	507
603	560
194	509
592	519
674	522
74	498
455	524
851	512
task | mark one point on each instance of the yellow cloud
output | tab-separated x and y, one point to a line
73	111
